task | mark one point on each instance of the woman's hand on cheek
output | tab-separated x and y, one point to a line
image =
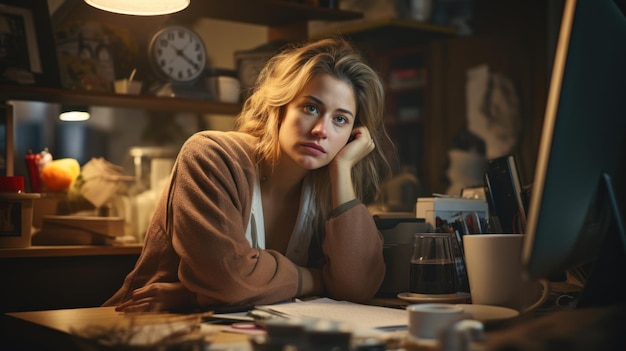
359	146
158	297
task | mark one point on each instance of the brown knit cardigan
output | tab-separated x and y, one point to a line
197	236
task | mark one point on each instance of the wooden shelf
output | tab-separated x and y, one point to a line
280	16
144	102
377	33
267	13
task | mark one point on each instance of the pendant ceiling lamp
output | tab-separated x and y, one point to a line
140	7
74	113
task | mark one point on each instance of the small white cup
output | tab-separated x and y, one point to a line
494	271
124	86
427	320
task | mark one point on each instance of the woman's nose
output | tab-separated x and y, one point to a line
320	129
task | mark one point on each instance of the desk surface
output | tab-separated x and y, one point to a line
585	329
69	321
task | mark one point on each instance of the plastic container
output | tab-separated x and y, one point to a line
16	213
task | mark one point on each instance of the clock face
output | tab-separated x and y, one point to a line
178	54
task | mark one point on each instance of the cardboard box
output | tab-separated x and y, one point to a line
79	230
16	219
449	208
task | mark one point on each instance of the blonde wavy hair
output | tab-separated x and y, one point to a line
282	80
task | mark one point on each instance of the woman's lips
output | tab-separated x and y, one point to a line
313	148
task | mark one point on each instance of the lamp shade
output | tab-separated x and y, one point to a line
140	7
74	113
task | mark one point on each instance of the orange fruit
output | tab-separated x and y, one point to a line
59	174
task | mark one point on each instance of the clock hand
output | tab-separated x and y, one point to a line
181	53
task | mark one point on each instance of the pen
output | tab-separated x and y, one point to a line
233	309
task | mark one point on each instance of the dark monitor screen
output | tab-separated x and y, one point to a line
572	207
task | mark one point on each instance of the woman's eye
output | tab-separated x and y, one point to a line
310	109
341	120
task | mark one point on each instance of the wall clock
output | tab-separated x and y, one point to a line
177	54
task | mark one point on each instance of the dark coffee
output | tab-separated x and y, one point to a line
433	278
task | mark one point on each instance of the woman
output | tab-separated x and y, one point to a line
274	210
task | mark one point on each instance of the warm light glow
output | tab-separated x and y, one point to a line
140	7
74	116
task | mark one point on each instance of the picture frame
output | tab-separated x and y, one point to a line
27	46
6	140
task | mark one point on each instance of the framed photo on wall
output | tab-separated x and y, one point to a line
27	48
6	140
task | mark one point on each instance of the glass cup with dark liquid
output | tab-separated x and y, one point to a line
433	270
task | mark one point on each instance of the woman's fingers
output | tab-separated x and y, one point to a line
357	149
144	292
138	305
156	297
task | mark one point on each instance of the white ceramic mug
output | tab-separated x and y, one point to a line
494	270
428	319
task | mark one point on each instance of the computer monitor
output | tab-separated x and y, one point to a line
573	216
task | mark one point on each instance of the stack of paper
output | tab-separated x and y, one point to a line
356	315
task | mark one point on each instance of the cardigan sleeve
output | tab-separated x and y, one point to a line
354	266
208	211
197	236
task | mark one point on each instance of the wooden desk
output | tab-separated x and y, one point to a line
573	330
55	277
52	330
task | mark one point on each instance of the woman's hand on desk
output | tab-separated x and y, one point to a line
158	297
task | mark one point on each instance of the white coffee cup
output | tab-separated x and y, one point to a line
125	86
427	320
494	271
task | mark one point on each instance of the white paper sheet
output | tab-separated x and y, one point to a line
357	315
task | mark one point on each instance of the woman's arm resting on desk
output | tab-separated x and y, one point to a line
354	267
159	297
353	248
209	254
311	283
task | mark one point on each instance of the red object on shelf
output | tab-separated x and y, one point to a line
12	184
32	165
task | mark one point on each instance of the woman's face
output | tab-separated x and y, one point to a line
318	122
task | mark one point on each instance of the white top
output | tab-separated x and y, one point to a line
298	247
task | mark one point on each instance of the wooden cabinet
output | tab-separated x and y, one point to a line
52	277
406	72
